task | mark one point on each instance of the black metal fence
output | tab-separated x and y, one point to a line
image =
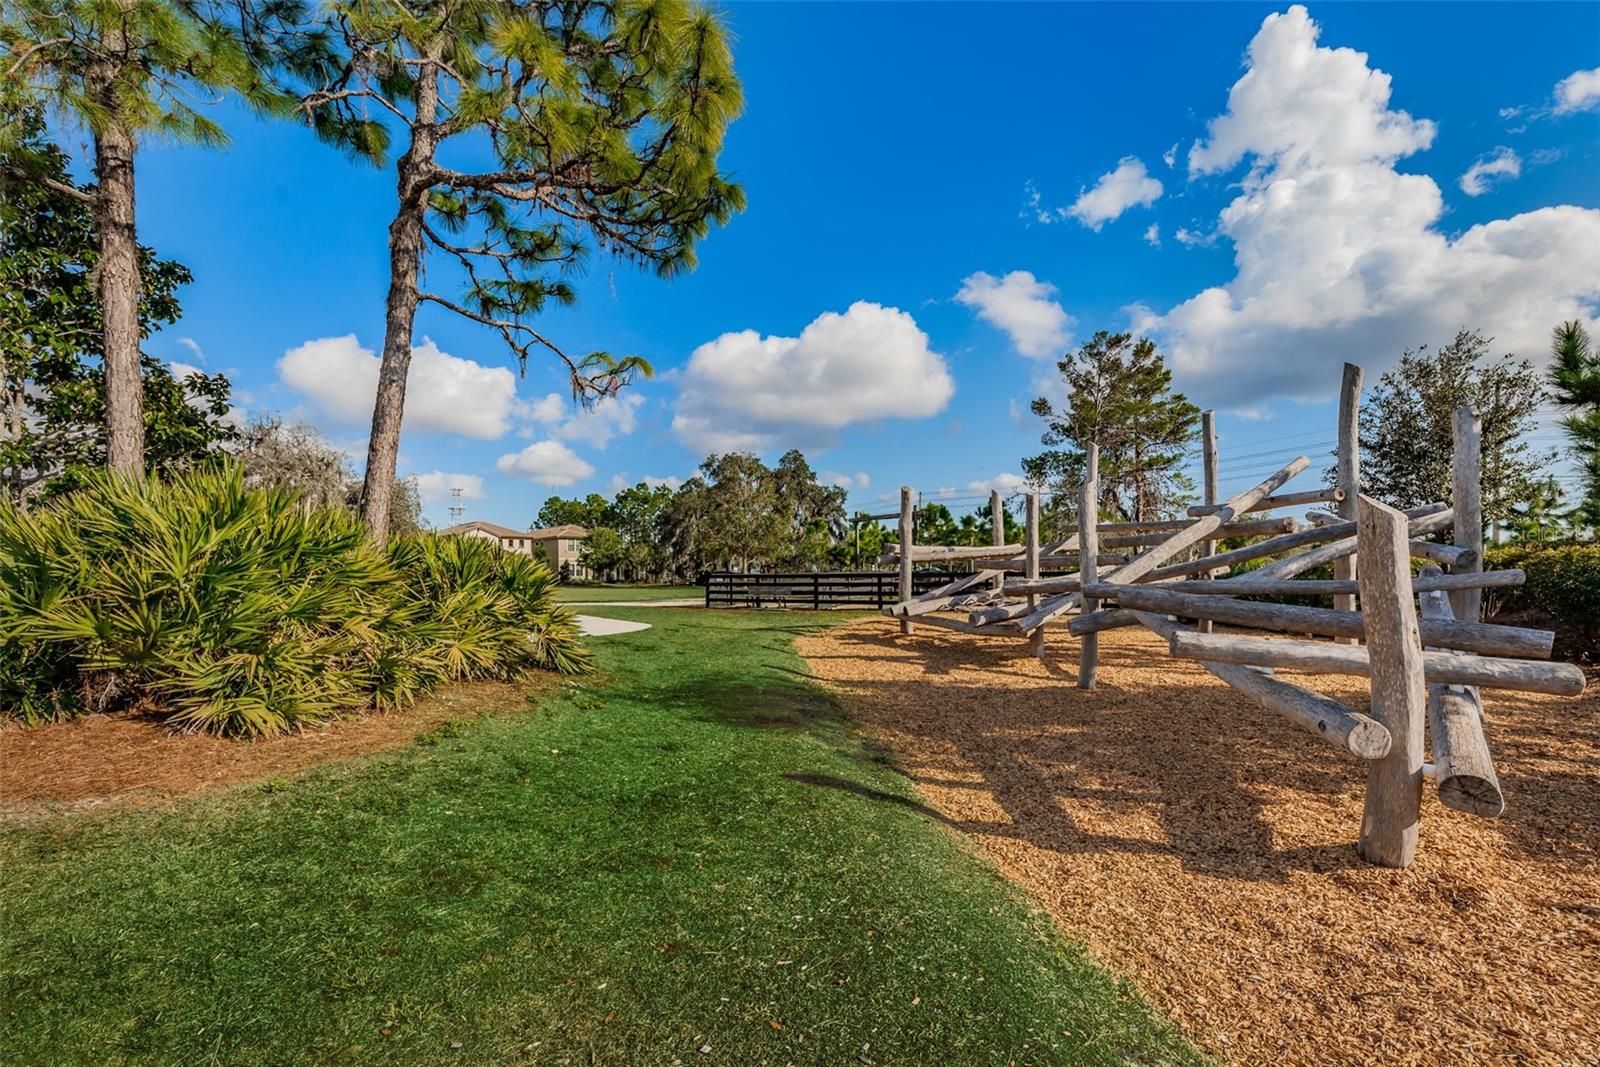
815	589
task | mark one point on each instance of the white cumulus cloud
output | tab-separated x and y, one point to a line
1501	165
1007	484
444	393
547	463
547	409
1152	235
1023	307
1129	185
437	485
1337	253
611	416
1578	91
858	480
745	391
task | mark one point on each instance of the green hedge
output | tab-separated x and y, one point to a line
1563	590
242	611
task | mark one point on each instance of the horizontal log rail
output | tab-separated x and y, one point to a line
1524	675
1357	734
1245	585
1282	500
1483	638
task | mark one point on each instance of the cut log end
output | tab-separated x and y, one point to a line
1473	794
1369	739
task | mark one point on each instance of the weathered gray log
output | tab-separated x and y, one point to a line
1483	638
1323	716
1528	676
1247	584
1463	769
1020	563
1280	500
1069	583
997	529
967	627
1347	474
925	553
1392	808
1258	528
1089	538
1243	528
906	564
1208	456
1450	555
940	598
1467	497
1036	636
1427	519
1148	560
1434	517
998	613
1093	622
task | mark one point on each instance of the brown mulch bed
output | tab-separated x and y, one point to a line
128	759
1205	846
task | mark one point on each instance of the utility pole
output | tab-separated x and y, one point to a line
457	508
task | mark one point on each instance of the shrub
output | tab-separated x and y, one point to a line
1563	588
240	610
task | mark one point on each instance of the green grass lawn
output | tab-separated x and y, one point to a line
691	851
622	593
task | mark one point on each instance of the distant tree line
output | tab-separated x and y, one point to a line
736	513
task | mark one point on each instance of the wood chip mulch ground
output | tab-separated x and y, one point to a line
1205	846
128	760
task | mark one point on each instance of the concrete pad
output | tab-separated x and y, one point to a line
595	626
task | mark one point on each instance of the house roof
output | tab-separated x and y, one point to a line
505	533
502	532
570	530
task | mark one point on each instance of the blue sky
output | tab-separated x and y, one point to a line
941	199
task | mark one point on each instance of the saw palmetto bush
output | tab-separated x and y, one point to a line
240	610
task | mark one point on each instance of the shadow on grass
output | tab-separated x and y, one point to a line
826	781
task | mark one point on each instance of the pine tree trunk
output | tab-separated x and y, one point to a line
117	276
405	254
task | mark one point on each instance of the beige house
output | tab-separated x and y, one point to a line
561	545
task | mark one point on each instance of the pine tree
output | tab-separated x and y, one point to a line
124	70
1119	394
1575	379
603	121
1406	440
53	427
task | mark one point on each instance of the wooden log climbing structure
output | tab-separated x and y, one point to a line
1416	633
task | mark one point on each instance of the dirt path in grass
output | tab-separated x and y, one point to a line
1206	846
128	760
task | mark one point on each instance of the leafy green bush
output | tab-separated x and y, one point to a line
1563	587
240	610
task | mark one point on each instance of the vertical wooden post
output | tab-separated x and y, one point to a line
1347	473
1467	500
1463	771
1035	639
1088	550
1392	808
906	562
1208	454
997	519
